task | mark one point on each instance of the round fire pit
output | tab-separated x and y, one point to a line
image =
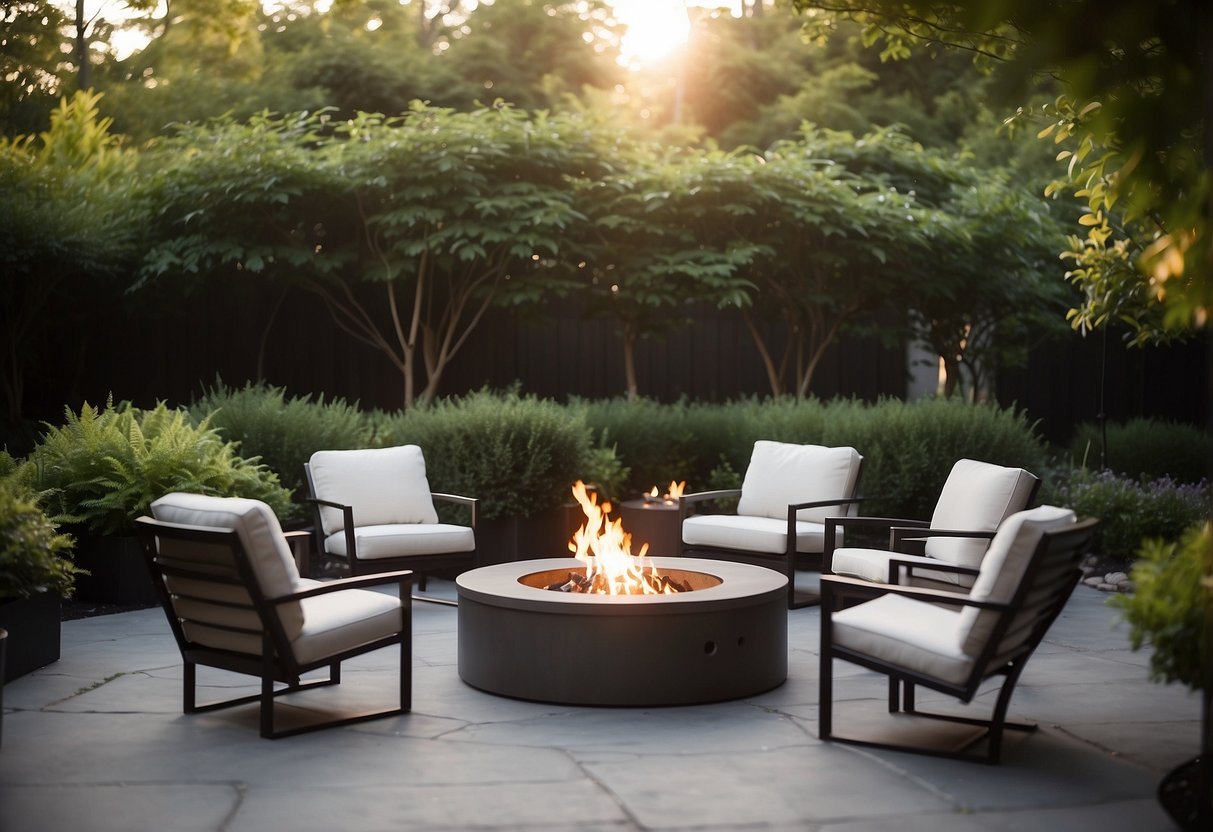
725	639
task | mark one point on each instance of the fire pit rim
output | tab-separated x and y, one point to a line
499	585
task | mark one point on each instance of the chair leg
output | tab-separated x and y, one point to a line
825	690
421	582
188	679
894	695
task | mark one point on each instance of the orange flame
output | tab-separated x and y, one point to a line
606	550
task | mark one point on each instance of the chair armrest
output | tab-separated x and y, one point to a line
703	497
401	576
834	523
843	586
840	501
900	534
300	543
895	565
471	502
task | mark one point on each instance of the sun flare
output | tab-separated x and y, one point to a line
656	28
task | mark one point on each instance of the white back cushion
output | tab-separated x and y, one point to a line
781	474
977	496
260	535
1003	569
384	485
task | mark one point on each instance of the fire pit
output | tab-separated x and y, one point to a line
725	639
607	628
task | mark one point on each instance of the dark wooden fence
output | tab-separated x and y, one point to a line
165	348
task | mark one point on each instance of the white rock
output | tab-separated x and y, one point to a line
1115	577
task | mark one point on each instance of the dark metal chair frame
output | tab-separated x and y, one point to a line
784	562
1051	575
276	662
419	564
904	531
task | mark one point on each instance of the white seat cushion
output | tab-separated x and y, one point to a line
781	474
260	536
977	496
908	633
384	486
1004	566
402	540
334	623
751	534
873	565
344	620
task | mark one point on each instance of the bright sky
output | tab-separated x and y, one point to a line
655	27
658	27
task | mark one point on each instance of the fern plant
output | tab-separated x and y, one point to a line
34	555
103	467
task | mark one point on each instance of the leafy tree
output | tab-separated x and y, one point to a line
436	215
1130	126
663	238
533	54
67	232
835	240
33	69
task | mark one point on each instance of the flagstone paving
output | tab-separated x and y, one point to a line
97	742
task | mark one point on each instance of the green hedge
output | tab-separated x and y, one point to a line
1146	448
1131	511
908	449
284	431
518	455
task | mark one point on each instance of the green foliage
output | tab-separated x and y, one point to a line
908	449
518	455
68	224
34	556
1146	449
1132	510
1170	605
605	471
1132	145
103	468
281	431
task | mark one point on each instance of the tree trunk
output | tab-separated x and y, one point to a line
629	360
774	373
85	69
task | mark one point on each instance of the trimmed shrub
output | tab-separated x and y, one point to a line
282	431
103	468
909	449
1168	608
1145	448
1130	511
518	455
34	556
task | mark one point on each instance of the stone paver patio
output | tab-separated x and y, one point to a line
97	742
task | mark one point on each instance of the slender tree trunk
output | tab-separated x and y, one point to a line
629	360
774	373
85	76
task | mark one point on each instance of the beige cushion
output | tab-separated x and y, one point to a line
259	533
977	496
873	565
384	486
908	633
403	540
335	622
781	474
751	534
1003	569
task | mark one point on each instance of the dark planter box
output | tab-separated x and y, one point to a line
33	633
543	535
117	573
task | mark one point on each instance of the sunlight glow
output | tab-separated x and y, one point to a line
656	28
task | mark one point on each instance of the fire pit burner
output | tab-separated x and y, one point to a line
726	638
